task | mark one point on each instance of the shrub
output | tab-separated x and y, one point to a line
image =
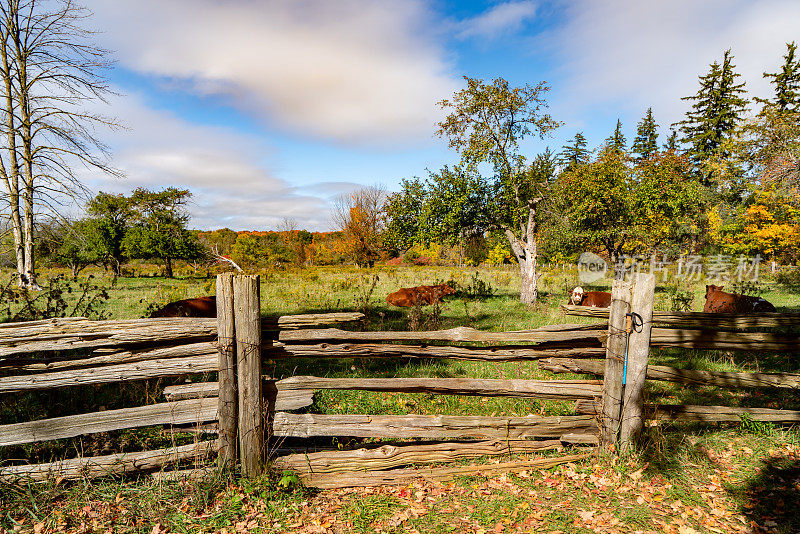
59	297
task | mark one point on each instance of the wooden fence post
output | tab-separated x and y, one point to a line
248	365
228	401
615	355
644	286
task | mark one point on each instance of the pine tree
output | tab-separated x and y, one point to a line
786	82
646	142
717	110
617	141
575	153
672	140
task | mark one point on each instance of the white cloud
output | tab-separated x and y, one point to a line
222	168
500	19
631	54
350	71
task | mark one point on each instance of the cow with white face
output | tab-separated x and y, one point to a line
577	296
591	299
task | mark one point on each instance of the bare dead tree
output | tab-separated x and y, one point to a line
219	259
50	71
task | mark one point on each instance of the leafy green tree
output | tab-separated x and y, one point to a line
717	109
596	198
786	82
219	241
110	215
486	123
159	228
646	142
404	211
575	153
456	206
616	141
76	245
622	209
667	203
259	249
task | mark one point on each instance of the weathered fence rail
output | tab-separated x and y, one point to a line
561	333
728	379
80	333
376	350
430	426
702	319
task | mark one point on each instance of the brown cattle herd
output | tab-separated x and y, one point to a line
717	301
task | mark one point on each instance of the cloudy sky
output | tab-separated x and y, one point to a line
267	109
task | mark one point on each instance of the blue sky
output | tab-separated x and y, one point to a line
269	109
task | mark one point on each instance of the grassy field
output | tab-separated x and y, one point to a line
683	479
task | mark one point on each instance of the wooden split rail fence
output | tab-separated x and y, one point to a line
247	409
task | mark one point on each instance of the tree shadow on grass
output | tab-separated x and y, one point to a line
663	448
772	498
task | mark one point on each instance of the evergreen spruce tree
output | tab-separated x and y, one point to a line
617	141
717	110
575	153
786	82
646	142
672	140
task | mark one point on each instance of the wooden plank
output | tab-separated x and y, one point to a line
290	399
180	412
199	473
375	350
429	426
113	464
199	429
441	474
78	332
126	372
543	389
643	298
41	322
247	306
227	386
69	335
460	334
580	439
307	320
702	319
721	414
193	390
708	414
719	340
682	376
390	456
614	362
106	356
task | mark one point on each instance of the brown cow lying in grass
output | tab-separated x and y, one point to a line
593	299
718	301
419	296
197	307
